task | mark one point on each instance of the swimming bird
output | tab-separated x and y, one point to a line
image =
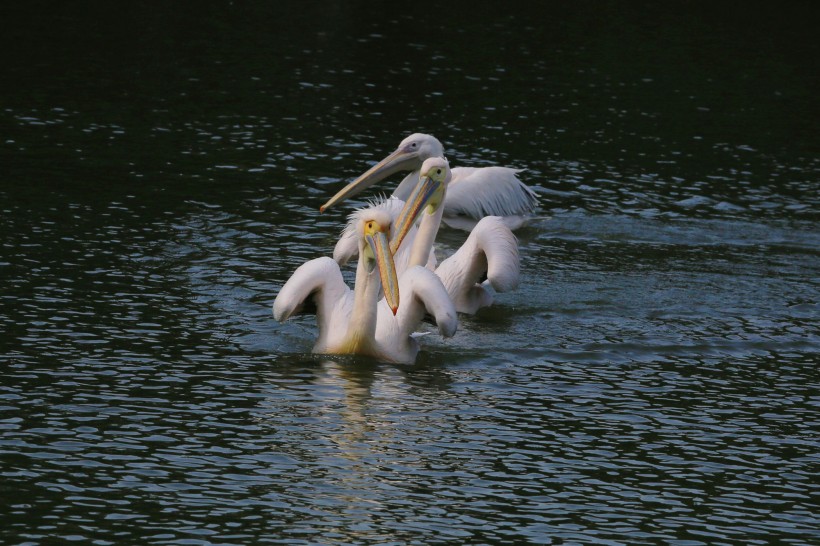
489	256
357	321
474	192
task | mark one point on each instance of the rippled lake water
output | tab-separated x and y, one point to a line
653	380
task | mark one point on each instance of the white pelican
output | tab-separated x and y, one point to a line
473	193
357	322
488	256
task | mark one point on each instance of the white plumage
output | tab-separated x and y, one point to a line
491	253
358	321
475	192
488	258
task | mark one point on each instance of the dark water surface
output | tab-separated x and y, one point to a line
653	380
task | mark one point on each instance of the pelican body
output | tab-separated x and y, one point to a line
358	321
473	193
489	256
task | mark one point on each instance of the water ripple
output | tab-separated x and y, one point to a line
652	380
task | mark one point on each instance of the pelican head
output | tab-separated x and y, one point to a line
409	156
374	249
427	196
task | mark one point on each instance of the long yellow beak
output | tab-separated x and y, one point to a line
395	162
426	192
387	269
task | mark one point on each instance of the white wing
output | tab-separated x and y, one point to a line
476	192
347	247
318	282
421	293
426	295
491	252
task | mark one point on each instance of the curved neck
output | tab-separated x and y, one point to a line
426	236
362	325
405	187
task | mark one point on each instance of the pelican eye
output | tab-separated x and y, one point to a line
438	171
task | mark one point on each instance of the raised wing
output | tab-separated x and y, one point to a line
490	252
318	282
428	296
488	191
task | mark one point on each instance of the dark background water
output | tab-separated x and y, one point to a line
653	380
